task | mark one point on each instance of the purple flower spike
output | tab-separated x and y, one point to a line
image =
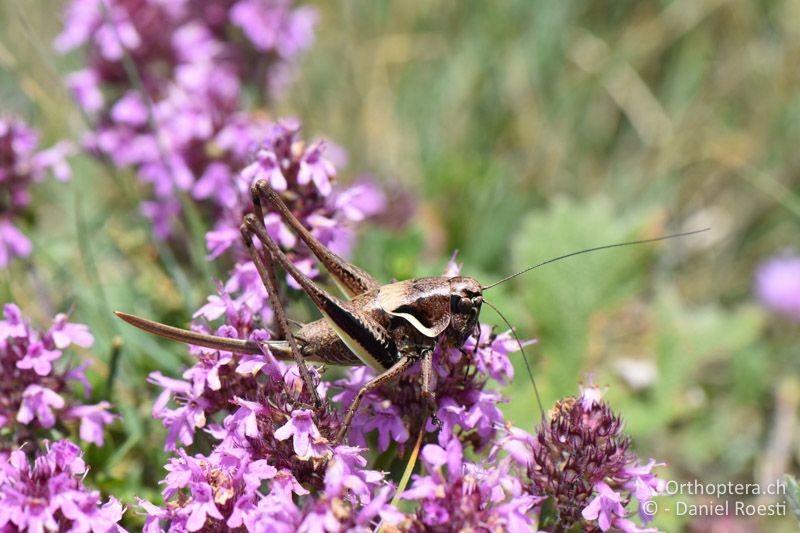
194	62
580	459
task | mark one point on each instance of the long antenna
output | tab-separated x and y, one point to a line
596	248
524	358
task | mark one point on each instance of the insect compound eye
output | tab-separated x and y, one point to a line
464	305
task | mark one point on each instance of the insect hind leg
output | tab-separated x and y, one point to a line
351	279
266	271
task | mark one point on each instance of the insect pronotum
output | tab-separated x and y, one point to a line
387	327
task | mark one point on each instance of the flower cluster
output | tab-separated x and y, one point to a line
469	496
50	494
266	440
22	164
34	393
778	286
165	85
226	490
581	460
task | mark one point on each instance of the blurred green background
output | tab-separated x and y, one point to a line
517	131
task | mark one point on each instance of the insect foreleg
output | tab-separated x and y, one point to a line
267	272
351	279
398	368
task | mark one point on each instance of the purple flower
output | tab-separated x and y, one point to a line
778	285
39	359
186	417
93	419
468	495
202	506
605	507
13	243
315	168
306	438
361	201
65	333
194	64
389	423
270	26
265	167
84	85
13	325
38	403
580	459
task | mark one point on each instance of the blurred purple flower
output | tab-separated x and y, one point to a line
315	168
93	419
777	285
21	165
65	333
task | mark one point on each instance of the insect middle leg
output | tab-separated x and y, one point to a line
399	367
266	271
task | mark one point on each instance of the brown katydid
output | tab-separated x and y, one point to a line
387	327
